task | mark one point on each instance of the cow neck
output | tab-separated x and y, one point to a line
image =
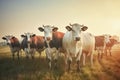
48	46
28	45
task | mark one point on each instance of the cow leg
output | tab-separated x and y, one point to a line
49	63
78	65
65	59
101	55
98	51
26	53
106	52
69	63
32	53
91	59
48	57
69	60
39	51
56	58
110	51
13	55
84	59
98	55
18	54
55	63
78	60
40	54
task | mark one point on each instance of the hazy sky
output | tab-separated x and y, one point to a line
20	16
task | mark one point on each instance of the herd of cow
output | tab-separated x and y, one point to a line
74	43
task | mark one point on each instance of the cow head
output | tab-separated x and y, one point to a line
107	38
28	36
76	30
8	39
48	30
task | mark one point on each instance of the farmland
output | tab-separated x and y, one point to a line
37	69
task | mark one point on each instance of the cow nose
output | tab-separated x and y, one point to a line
77	38
48	38
28	41
7	43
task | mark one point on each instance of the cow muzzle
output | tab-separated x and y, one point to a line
8	43
29	42
48	38
77	38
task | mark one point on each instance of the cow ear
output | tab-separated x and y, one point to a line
13	37
22	36
41	29
43	37
110	36
84	28
68	28
55	29
3	38
33	35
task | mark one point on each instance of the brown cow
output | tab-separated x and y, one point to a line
109	45
100	44
32	43
14	44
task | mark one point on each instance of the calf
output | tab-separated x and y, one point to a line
75	43
53	42
14	45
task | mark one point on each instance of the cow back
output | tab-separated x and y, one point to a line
99	41
39	42
15	42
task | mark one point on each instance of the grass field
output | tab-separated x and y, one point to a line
27	69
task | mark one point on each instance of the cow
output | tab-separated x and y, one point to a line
32	43
39	43
28	45
109	45
14	44
100	44
53	43
76	43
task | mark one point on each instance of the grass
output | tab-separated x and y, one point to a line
27	69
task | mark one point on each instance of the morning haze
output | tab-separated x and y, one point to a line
20	16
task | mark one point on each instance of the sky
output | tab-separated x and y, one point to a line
20	16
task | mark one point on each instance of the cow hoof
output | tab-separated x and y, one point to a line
78	69
68	70
32	57
55	67
50	68
27	57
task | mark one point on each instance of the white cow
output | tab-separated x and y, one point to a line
75	42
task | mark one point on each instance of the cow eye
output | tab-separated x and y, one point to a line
73	30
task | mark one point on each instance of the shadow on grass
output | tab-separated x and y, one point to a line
30	69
